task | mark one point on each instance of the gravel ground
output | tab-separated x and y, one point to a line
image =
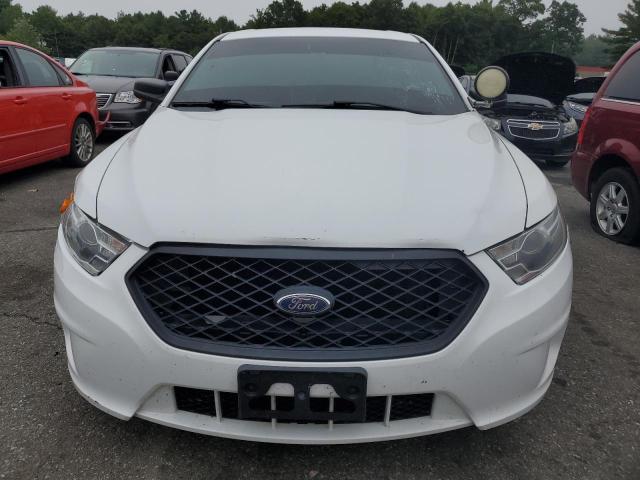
587	427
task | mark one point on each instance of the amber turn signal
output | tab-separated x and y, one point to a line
66	203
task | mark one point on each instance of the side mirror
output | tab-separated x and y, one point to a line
171	76
492	83
151	89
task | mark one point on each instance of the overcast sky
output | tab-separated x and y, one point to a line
599	13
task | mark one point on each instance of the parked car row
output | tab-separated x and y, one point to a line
59	113
215	318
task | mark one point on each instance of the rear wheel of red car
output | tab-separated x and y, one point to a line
83	142
615	206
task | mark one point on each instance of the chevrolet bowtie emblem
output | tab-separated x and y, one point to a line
535	126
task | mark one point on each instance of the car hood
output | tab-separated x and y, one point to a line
321	178
582	98
528	100
540	74
106	84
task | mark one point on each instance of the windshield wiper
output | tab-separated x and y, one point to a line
97	74
219	104
342	104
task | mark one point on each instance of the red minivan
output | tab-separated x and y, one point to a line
606	165
45	112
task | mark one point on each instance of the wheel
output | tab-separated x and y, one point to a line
83	143
556	164
615	206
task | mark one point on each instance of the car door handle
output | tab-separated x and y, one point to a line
19	100
66	96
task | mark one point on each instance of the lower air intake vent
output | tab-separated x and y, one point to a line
403	407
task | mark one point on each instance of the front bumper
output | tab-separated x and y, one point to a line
124	117
556	151
496	370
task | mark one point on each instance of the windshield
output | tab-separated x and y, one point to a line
309	71
118	63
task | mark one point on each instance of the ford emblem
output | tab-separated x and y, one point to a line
304	301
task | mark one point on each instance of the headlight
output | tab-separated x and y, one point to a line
577	107
570	127
126	97
91	245
493	123
533	251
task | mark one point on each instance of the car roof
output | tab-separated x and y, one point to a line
6	43
320	32
138	49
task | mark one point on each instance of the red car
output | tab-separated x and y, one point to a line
606	165
45	112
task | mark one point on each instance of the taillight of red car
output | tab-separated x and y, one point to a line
583	127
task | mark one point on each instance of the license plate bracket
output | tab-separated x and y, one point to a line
350	384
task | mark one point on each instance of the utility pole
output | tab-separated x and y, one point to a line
55	36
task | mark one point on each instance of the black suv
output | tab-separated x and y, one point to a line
112	71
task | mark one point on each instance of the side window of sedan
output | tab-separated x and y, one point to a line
8	73
66	79
40	72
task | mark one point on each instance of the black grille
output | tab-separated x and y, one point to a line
196	400
387	303
410	406
541	131
403	407
103	99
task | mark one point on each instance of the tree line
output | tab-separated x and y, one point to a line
468	35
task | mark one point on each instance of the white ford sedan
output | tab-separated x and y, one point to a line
314	239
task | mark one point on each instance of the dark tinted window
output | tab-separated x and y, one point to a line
8	77
39	71
307	71
167	65
179	62
626	84
66	79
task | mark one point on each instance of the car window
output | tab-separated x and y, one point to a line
167	65
179	62
66	79
40	72
8	75
625	85
307	71
117	63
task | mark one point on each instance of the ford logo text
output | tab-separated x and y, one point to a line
304	301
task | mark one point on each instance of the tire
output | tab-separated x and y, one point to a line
83	144
618	220
556	164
